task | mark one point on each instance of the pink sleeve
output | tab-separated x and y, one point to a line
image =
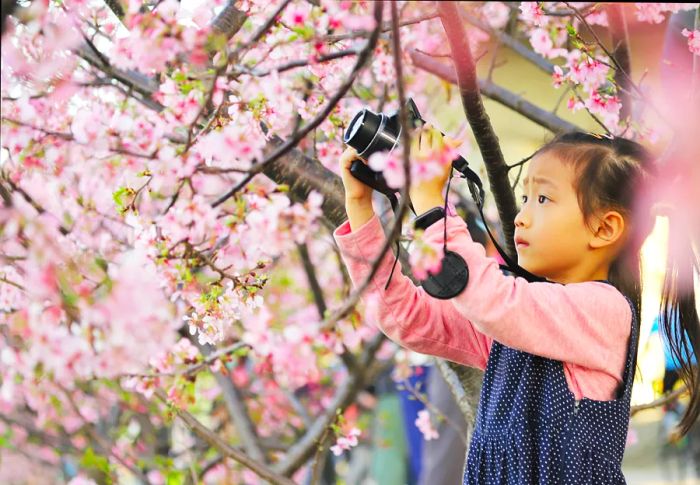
408	315
584	324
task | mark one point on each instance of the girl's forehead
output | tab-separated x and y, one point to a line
549	167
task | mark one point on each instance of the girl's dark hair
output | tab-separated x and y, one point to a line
617	173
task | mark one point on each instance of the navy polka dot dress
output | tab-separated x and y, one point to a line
530	429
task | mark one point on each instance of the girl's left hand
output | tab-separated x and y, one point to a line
426	141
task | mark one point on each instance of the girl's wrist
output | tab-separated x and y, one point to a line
359	212
423	202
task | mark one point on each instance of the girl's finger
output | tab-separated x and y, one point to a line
453	143
428	140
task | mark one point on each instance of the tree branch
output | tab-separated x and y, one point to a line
621	55
479	121
511	42
304	449
224	448
229	21
499	94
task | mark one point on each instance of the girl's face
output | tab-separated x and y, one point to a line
551	225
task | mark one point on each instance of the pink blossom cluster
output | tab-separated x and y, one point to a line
427	166
425	257
693	40
425	425
39	54
654	12
157	39
532	12
345	442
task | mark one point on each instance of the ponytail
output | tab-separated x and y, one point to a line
678	317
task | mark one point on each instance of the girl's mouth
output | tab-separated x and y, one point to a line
521	243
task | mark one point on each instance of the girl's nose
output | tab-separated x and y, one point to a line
522	218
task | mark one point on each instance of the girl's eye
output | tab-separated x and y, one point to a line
539	199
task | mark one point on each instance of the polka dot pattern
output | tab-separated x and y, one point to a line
530	428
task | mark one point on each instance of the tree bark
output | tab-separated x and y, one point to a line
479	122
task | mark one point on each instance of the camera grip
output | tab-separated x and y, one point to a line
362	172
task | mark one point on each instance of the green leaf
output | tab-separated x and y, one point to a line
305	31
120	195
94	461
101	262
175	477
6	439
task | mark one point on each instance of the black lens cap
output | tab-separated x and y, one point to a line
450	281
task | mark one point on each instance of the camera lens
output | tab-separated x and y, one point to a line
362	130
355	125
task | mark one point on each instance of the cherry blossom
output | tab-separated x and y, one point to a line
693	40
425	425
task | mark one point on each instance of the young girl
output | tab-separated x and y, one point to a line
559	356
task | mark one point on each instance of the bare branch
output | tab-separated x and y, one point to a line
194	368
386	27
507	98
229	21
264	28
665	399
70	137
224	448
511	42
621	55
116	7
297	63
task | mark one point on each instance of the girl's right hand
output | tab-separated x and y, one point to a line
355	191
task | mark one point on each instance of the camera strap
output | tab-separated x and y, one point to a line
475	187
456	274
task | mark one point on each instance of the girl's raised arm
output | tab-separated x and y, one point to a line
407	314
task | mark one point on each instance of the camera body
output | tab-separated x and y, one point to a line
371	132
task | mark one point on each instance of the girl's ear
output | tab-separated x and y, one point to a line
607	230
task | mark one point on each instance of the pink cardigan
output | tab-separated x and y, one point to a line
585	325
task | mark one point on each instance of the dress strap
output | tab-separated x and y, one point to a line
628	376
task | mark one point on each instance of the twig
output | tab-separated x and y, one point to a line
297	63
70	137
431	407
617	64
102	442
15	188
511	42
193	369
264	28
385	28
224	448
665	399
